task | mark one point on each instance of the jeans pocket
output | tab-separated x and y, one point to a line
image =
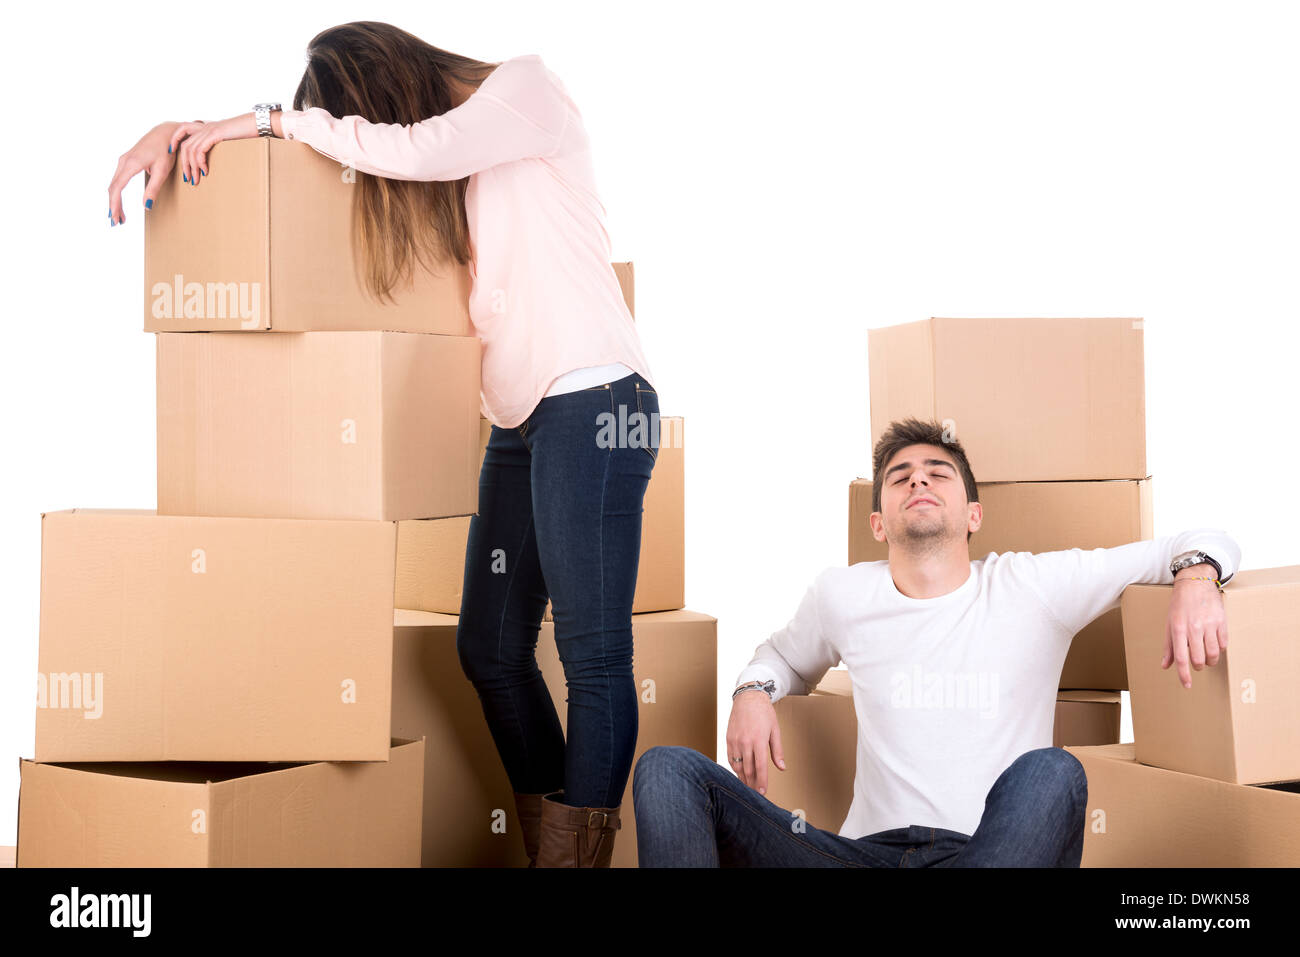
647	403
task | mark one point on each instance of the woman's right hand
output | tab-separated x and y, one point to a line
751	731
150	155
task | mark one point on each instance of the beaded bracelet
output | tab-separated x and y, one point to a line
1194	578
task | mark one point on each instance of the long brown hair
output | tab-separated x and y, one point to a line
386	75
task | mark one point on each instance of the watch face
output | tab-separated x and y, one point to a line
1188	559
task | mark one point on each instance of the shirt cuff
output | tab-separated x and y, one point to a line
759	672
289	123
1217	563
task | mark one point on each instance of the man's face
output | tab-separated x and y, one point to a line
923	499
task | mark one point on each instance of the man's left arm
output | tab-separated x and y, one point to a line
1078	585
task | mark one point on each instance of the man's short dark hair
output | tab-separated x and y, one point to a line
913	431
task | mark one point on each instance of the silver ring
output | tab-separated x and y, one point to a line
734	760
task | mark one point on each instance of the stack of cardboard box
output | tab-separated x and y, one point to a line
470	818
195	658
1212	778
1051	413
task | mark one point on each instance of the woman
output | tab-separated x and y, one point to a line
488	164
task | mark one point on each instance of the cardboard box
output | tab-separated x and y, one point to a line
1240	720
1044	517
835	681
469	817
1086	718
175	638
272	227
265	242
322	425
238	814
819	738
1029	399
675	666
431	564
431	554
1139	816
661	568
469	812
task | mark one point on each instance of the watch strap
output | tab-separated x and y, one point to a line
1194	557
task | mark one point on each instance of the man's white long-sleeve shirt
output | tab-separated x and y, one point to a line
950	690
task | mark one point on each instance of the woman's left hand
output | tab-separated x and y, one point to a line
195	139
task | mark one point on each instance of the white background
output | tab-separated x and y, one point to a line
785	177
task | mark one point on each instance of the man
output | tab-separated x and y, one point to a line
954	665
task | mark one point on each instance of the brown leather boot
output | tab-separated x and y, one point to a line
576	836
529	809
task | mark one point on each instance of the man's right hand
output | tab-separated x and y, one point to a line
752	730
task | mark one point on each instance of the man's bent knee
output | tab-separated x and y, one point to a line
664	762
1061	765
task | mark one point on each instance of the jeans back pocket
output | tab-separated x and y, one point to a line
647	403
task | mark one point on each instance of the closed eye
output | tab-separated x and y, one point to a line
939	475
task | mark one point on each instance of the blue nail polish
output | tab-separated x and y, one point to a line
148	204
204	172
169	147
184	177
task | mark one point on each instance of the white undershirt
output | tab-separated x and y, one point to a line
950	690
586	378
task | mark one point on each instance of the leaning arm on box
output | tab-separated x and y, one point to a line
793	660
1078	585
798	656
524	115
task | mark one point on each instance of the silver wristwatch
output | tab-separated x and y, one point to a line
769	686
262	111
1188	559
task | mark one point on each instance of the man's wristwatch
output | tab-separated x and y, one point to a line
768	686
1188	559
262	111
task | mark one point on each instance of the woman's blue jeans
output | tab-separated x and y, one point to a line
692	812
559	516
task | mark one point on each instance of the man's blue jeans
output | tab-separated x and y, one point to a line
692	812
560	501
